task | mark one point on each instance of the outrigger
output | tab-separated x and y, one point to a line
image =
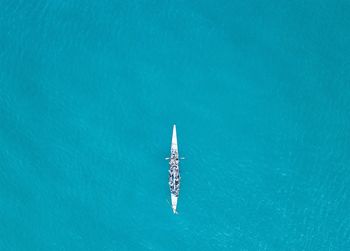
174	171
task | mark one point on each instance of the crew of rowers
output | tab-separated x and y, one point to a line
174	176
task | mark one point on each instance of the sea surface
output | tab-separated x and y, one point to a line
260	94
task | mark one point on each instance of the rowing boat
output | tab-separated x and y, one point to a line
174	171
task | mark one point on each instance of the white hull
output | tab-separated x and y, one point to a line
173	203
174	139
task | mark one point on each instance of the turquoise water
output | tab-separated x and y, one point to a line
260	93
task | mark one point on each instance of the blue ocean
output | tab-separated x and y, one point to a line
259	92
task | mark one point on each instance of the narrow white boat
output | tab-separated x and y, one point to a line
174	171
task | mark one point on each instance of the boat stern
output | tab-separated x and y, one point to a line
174	203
